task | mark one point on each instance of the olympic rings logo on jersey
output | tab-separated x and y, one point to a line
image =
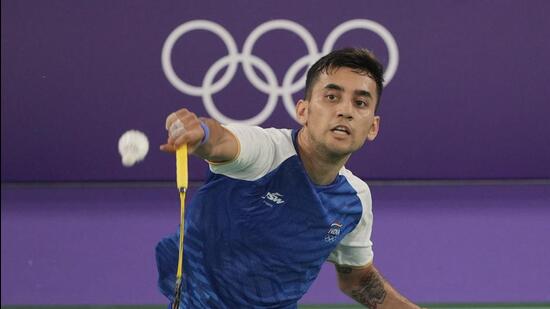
272	87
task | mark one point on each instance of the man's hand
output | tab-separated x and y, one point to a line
205	138
183	127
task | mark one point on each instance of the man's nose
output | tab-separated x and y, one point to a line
345	109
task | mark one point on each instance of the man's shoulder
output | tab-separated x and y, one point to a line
272	133
261	151
358	184
279	133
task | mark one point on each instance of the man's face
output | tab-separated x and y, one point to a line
339	116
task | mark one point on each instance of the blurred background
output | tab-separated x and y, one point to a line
460	172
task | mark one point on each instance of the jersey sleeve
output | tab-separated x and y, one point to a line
355	249
260	151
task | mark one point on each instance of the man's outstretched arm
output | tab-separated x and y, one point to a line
368	288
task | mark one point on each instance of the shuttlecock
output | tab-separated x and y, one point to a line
133	146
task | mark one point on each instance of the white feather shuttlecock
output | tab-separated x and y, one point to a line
133	146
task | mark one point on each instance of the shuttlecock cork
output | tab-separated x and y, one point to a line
133	146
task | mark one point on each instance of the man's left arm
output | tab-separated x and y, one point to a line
366	286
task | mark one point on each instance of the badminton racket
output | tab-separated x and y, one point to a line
182	183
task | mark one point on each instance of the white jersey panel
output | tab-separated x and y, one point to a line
356	248
260	152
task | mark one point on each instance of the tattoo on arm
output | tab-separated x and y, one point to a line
371	291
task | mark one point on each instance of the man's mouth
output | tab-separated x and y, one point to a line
341	130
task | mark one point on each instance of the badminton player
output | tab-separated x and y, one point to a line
278	203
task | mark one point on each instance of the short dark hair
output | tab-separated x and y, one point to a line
360	59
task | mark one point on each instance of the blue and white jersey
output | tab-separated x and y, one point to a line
258	231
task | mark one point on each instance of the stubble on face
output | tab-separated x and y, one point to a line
322	139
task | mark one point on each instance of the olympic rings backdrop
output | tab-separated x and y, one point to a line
466	93
289	86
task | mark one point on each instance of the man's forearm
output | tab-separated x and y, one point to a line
369	288
221	145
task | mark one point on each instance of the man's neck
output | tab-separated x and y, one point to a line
321	168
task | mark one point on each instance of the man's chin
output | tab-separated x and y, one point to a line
341	151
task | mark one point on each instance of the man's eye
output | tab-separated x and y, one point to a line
361	103
331	97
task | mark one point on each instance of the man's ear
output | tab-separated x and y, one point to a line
373	131
302	112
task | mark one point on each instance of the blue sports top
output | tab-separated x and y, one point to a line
258	231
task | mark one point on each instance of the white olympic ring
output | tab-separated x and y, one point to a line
271	88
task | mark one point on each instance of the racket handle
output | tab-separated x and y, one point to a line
181	168
176	303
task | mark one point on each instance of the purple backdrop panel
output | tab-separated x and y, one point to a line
467	97
83	246
448	244
435	244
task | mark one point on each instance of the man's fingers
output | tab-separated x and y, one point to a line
183	127
182	139
168	148
170	119
176	129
